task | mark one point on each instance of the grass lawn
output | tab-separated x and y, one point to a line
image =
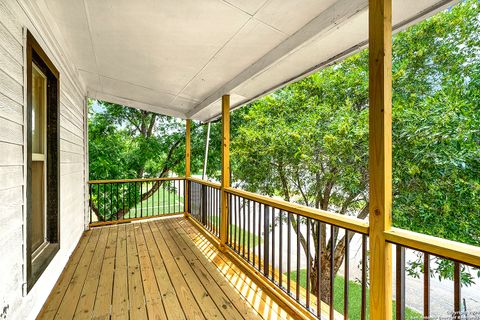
254	239
355	297
155	204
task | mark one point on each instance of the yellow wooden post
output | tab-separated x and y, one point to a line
225	168
380	156
187	163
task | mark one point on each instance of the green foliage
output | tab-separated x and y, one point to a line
436	125
130	143
308	142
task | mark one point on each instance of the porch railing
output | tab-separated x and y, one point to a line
204	204
281	240
270	238
431	250
132	199
266	235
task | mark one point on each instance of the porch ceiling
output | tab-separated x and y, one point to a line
179	57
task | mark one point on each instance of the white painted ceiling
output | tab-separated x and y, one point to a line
178	57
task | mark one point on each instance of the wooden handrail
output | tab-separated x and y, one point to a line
205	182
338	220
135	180
449	249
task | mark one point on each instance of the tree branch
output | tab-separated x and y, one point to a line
151	126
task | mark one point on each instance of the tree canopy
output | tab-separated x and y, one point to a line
308	142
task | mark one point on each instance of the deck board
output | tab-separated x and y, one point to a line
104	292
246	287
226	307
135	285
154	269
72	294
120	300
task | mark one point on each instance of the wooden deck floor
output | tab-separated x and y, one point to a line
156	269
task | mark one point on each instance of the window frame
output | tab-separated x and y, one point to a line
35	267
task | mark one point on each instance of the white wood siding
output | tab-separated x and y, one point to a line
14	16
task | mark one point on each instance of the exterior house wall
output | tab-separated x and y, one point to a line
15	16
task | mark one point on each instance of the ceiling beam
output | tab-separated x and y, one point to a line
330	18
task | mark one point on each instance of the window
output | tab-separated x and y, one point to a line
42	226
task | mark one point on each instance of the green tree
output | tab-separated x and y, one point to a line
130	143
308	142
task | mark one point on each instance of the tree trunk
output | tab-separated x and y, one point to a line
325	266
324	277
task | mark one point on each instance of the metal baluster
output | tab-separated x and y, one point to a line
309	265
280	253
111	201
249	231
163	197
400	282
141	202
210	209
243	228
237	224
364	278
289	251
253	232
259	233
99	202
209	218
273	245
297	292
203	189
229	224
426	283
117	206
129	198
123	198
347	275
157	194
91	201
332	274
457	294
147	199
135	197
266	247
319	269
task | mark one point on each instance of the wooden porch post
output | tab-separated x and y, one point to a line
187	164
380	156
225	169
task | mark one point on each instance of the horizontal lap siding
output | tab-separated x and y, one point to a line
11	161
10	109
13	17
